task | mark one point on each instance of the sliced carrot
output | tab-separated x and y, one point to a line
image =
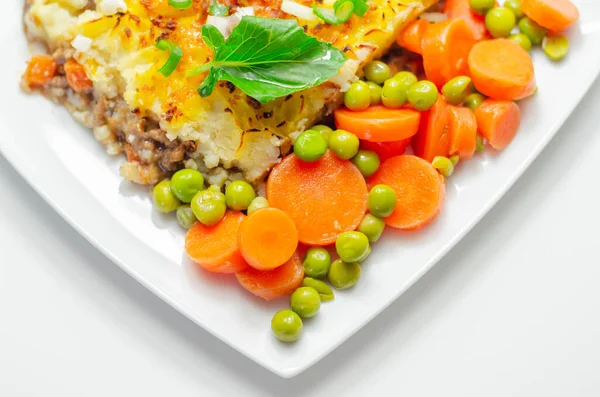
385	150
273	284
411	37
324	198
433	138
498	122
462	128
40	69
419	187
502	69
378	123
446	46
267	239
215	247
76	76
462	9
555	15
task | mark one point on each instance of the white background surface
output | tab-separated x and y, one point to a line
513	310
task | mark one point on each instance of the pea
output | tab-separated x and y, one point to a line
515	7
474	100
393	93
163	197
343	144
499	21
407	78
186	183
310	146
382	201
375	93
531	29
316	262
443	165
521	40
367	162
377	72
372	227
306	302
239	195
343	275
556	47
185	216
422	95
324	290
209	206
352	246
287	326
481	6
257	203
358	96
324	130
457	90
480	144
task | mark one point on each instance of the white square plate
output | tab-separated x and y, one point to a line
65	165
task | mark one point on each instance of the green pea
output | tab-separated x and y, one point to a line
287	326
393	93
358	96
324	290
239	195
375	93
324	130
209	206
306	302
556	47
310	146
457	90
422	95
515	7
499	21
186	183
343	144
316	262
444	165
164	199
377	72
382	201
531	29
352	246
407	78
474	100
372	227
257	203
185	216
367	162
480	145
521	40
343	275
481	6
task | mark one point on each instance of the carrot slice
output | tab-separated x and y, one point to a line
419	187
462	128
462	9
378	123
433	138
273	284
446	46
555	15
76	76
267	239
385	150
215	247
411	37
498	122
324	198
502	69
40	69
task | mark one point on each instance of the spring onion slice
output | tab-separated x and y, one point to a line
341	13
180	4
360	6
174	57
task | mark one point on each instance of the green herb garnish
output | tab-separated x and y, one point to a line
217	9
181	4
174	57
342	11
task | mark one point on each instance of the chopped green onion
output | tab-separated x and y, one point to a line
217	9
341	13
180	4
360	6
174	57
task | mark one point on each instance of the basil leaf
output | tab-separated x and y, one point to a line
268	58
217	9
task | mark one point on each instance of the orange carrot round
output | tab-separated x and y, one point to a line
462	127
40	69
502	69
555	15
76	76
378	123
324	198
215	248
267	239
462	9
433	138
446	46
498	122
273	284
385	150
411	37
419	188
